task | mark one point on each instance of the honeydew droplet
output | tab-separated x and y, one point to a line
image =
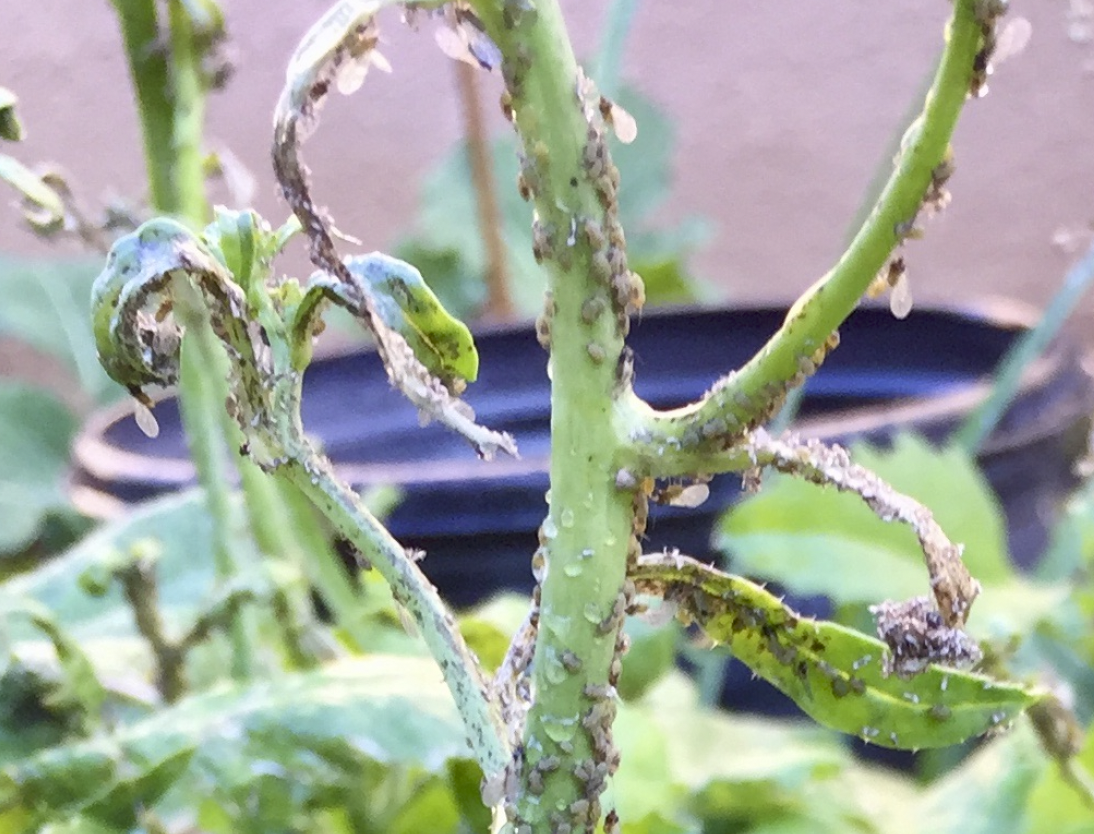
566	518
555	671
573	569
146	420
559	729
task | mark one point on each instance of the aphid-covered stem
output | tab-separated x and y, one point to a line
747	397
586	536
315	478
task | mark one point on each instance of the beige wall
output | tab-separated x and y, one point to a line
783	111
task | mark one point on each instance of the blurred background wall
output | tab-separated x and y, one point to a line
783	114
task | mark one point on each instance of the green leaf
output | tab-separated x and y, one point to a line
833	673
431	808
681	761
394	711
988	793
820	541
179	523
10	127
27	723
47	304
35	432
652	655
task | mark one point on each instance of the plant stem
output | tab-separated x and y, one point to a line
315	478
748	397
588	532
201	405
187	118
149	73
499	301
138	582
166	73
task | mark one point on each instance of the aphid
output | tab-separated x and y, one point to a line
596	352
466	41
997	48
621	122
594	233
351	75
682	495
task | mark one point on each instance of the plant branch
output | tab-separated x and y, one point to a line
499	302
591	528
344	41
138	580
748	397
315	478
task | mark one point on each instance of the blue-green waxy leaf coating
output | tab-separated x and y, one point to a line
409	307
835	674
133	350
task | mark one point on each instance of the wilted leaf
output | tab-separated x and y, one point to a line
832	672
820	541
47	305
35	432
379	709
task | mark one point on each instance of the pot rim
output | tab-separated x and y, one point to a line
106	462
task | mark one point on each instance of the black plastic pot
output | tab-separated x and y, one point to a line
477	521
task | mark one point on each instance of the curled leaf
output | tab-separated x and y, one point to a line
136	335
835	674
409	307
345	37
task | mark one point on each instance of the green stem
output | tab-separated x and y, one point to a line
315	478
589	531
148	70
166	70
751	395
188	91
201	404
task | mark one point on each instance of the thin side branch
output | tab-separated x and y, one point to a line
748	397
953	587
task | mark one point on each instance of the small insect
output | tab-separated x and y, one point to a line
465	40
681	495
621	122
